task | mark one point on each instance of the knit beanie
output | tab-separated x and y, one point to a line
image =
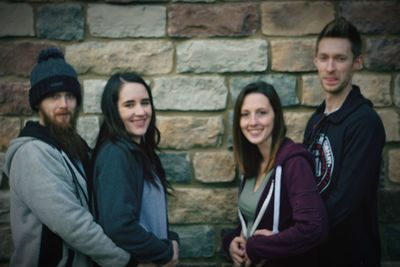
50	75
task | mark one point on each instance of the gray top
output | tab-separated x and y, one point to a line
153	215
249	199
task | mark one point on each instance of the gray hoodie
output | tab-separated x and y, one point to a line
50	218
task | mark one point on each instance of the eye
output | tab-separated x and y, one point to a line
322	57
55	95
341	59
129	104
145	102
244	114
70	95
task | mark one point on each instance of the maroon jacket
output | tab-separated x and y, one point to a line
303	220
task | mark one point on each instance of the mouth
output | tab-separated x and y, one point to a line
139	122
330	80
63	115
254	132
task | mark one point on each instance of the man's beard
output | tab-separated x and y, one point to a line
66	135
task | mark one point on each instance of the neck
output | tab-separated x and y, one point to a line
265	150
335	101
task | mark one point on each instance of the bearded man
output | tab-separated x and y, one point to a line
48	166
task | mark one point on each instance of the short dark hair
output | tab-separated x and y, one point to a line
341	28
247	155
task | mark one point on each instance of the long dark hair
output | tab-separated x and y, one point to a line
247	155
113	129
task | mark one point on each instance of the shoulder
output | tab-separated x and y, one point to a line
366	119
290	150
117	151
35	148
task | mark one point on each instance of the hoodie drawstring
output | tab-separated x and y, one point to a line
275	185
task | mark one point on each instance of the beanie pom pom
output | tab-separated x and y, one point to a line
51	52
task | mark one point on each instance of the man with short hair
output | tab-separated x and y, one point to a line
346	136
47	166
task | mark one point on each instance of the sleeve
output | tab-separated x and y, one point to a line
173	236
310	223
44	185
359	171
227	239
118	185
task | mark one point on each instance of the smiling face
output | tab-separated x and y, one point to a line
335	63
257	119
59	108
134	108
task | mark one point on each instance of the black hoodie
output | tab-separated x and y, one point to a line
347	145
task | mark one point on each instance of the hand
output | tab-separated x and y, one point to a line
237	250
174	261
265	232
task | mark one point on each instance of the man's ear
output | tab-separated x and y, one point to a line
358	63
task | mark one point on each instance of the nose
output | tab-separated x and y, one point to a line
331	66
63	101
253	120
139	110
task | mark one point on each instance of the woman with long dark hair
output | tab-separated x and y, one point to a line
129	182
282	216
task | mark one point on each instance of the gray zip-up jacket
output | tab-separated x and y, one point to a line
50	220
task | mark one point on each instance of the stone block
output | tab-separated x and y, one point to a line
92	92
391	244
4	207
203	205
372	17
221	56
295	18
117	21
104	58
396	93
194	1
18	58
296	122
2	159
6	244
382	53
60	22
391	122
14	98
375	87
184	132
177	166
313	92
88	127
285	86
292	55
214	166
212	20
394	170
131	1
229	145
190	93
16	20
196	241
9	129
389	209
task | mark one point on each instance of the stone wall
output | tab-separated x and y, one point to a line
197	55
